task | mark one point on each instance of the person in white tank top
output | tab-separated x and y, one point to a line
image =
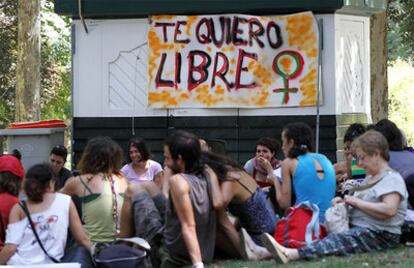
52	213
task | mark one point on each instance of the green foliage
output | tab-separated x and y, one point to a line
8	56
400	30
55	68
55	62
401	97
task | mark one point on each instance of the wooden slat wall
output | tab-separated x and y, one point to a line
239	133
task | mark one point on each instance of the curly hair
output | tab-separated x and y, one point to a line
10	183
101	154
270	143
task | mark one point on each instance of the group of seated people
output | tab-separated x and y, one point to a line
200	202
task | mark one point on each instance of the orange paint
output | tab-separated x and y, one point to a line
301	33
184	96
308	88
300	37
202	89
163	17
155	46
261	98
219	90
228	49
286	63
310	77
172	102
190	22
262	74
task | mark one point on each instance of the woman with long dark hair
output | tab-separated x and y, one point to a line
310	176
246	201
52	213
401	159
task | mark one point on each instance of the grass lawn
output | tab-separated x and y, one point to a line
400	257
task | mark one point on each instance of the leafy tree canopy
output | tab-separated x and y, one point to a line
55	66
401	30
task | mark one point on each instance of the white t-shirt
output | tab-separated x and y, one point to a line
51	226
153	168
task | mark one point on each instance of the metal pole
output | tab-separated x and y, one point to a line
319	82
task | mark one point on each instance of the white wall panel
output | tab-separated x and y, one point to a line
353	64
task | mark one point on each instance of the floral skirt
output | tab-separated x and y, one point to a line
355	240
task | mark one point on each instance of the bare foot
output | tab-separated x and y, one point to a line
246	250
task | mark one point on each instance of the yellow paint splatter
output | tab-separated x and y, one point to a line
156	46
190	22
202	89
163	17
308	88
155	97
207	98
219	90
172	102
261	98
261	73
286	63
228	49
184	96
301	33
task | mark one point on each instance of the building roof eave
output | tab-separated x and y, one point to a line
98	9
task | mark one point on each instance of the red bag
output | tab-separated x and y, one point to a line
300	226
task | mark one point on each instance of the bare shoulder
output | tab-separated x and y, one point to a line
123	181
178	184
71	186
16	213
289	162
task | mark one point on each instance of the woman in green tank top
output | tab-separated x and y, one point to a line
100	187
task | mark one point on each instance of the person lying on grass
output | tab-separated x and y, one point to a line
376	214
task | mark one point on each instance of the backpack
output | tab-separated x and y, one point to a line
300	226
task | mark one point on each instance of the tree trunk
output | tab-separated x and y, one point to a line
379	81
28	61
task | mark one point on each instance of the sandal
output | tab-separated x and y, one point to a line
277	250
